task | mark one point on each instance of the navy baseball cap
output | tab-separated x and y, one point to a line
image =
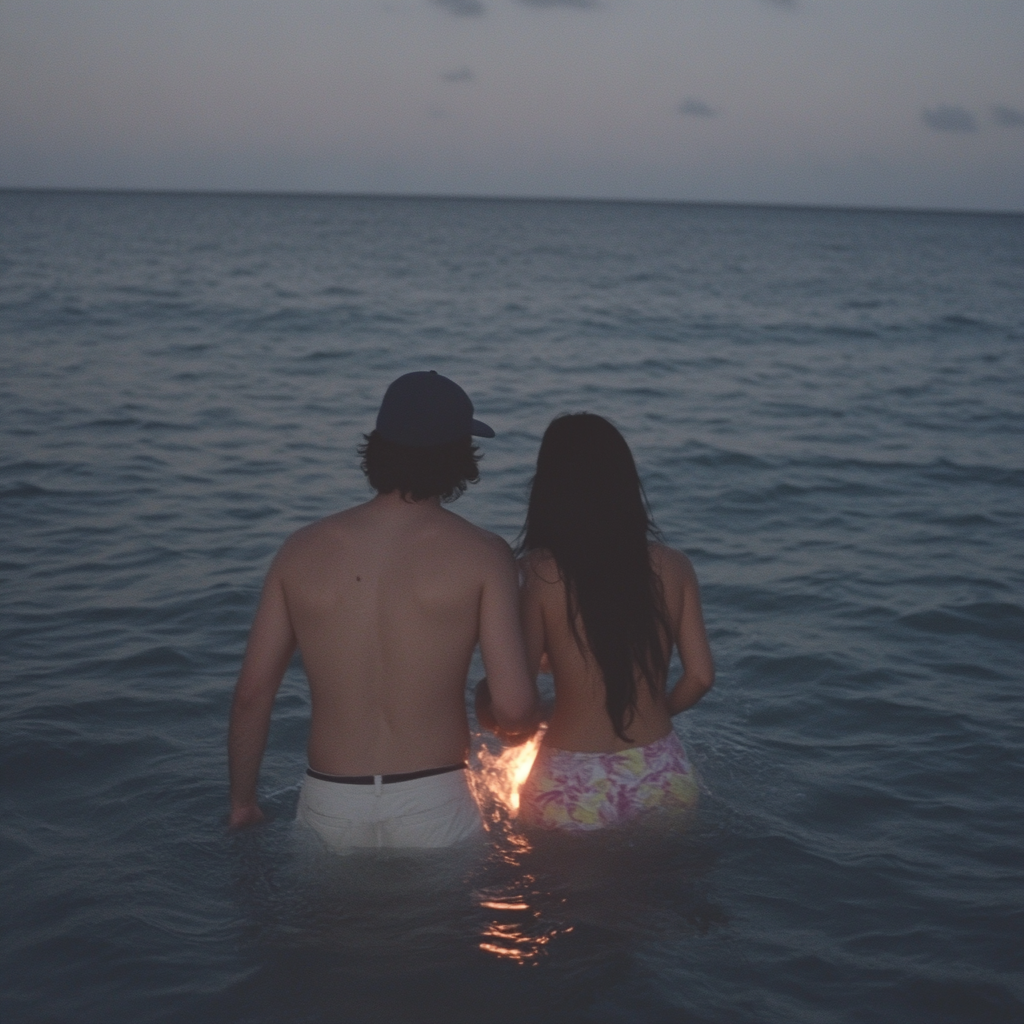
422	409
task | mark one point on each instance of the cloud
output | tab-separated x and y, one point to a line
462	8
786	5
578	4
696	108
462	74
945	118
1009	117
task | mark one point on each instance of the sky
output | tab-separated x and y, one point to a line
879	103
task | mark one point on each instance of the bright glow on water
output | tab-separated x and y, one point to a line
498	777
826	407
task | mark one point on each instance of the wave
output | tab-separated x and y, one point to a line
24	491
994	620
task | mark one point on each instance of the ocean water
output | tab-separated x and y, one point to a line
826	408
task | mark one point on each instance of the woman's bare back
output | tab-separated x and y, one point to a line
580	720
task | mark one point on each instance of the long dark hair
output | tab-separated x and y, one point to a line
588	509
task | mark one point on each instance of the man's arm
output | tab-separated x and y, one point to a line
271	645
508	699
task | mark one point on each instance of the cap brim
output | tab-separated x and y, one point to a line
481	429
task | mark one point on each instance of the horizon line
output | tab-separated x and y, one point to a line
443	197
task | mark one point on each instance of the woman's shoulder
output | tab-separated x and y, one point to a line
671	565
539	566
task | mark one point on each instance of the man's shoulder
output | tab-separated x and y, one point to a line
313	536
447	534
475	538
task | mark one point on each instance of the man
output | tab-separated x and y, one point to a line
386	603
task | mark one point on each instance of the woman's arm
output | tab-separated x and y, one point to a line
692	640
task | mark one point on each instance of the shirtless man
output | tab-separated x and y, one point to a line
386	603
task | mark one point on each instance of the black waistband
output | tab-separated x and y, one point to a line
368	780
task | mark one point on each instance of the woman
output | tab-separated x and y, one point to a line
604	605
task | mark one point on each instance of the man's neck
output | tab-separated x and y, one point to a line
399	505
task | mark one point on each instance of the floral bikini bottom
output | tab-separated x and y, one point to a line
575	790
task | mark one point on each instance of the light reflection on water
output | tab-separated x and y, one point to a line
538	883
497	779
519	897
516	928
380	932
518	931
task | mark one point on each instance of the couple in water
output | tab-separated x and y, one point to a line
387	601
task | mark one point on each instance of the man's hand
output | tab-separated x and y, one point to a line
485	716
243	817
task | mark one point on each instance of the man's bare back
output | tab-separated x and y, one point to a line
386	603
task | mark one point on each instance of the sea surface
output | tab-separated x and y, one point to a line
827	409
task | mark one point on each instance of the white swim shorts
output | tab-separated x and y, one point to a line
431	810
